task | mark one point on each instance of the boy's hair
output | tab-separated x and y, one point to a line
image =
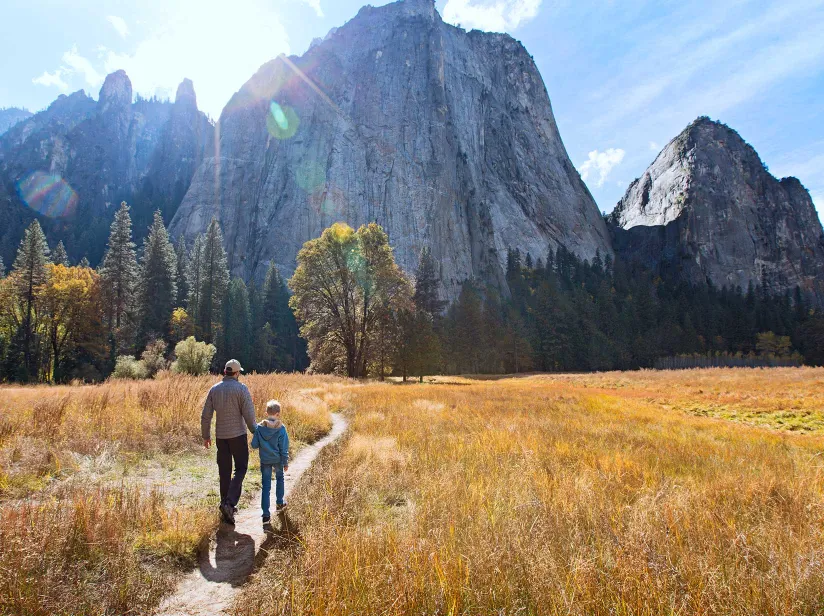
272	407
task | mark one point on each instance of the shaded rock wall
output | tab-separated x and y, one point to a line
708	210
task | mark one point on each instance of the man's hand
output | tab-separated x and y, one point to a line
207	443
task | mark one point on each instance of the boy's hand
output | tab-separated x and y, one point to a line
285	468
207	443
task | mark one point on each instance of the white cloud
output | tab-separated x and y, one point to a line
602	162
747	53
218	55
315	4
654	146
494	16
119	24
52	79
75	63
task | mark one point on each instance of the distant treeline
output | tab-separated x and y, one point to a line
60	321
362	316
566	314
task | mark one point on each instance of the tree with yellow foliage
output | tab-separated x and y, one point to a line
73	316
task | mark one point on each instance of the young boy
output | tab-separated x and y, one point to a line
272	441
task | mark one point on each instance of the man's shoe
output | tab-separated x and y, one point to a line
228	513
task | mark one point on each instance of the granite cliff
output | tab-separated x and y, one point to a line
708	210
444	137
71	164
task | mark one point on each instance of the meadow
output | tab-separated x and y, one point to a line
106	492
691	492
571	494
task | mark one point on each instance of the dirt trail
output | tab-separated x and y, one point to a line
211	588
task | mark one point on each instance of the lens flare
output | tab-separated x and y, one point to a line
47	194
329	202
281	122
310	176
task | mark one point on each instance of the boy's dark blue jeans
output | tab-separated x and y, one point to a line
266	473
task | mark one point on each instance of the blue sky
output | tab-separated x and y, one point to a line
624	76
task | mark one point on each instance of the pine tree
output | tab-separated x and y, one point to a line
194	277
30	267
427	282
274	299
157	287
182	271
84	262
2	268
119	271
60	256
237	323
214	280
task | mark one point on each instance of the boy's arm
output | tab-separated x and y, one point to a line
284	450
255	440
206	419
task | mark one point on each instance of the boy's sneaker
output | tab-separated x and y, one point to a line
267	524
228	513
281	507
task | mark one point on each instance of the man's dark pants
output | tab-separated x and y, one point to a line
232	449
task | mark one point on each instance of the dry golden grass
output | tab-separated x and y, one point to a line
781	398
560	495
46	432
93	519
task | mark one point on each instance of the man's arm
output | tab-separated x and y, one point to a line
248	410
206	420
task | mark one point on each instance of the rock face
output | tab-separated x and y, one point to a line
708	210
445	138
73	163
11	116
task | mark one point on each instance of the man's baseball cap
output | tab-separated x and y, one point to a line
233	366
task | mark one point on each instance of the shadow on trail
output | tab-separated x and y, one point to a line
234	557
284	538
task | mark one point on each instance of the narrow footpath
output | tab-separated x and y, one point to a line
211	588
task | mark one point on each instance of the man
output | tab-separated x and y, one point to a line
231	400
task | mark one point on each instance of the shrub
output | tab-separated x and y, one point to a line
154	357
193	357
127	367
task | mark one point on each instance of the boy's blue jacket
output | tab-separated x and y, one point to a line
273	441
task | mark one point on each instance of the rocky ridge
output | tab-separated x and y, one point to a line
708	210
71	164
11	116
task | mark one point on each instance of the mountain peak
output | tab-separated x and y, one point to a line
419	7
116	91
412	127
186	93
707	207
